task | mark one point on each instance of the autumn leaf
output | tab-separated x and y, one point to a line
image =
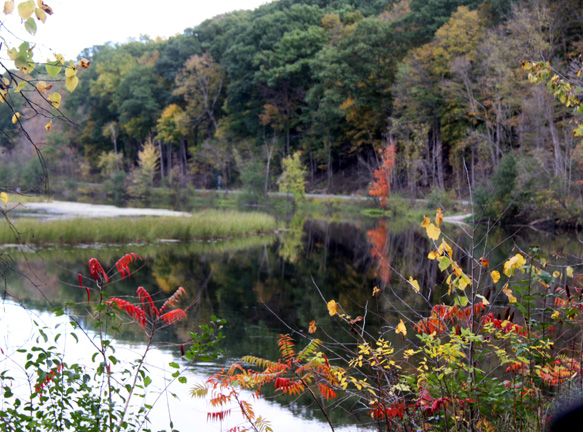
556	274
332	307
555	315
356	320
570	272
26	9
414	284
42	87
401	329
84	63
4	197
48	126
312	329
375	291
438	217
41	15
425	222
484	299
71	83
15	117
55	100
509	294
41	4
8	7
445	247
433	232
516	262
432	255
495	276
484	262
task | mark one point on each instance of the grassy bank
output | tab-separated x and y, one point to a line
205	225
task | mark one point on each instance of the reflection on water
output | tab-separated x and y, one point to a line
264	286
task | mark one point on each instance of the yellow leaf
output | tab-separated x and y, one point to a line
484	299
555	315
55	100
41	4
438	217
495	276
556	275
414	284
432	255
8	7
48	126
570	272
42	87
433	232
508	292
71	71
425	222
516	262
332	307
484	262
71	83
464	281
25	9
4	197
15	117
41	15
84	63
375	291
401	328
445	247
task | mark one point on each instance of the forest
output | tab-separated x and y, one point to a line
440	82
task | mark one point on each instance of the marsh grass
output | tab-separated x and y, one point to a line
210	224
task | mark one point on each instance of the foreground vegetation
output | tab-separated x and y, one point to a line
205	225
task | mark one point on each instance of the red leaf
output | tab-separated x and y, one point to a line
173	316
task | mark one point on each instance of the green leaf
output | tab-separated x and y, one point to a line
30	26
444	262
182	380
174	365
461	301
147	381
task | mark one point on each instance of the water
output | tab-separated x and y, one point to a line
262	286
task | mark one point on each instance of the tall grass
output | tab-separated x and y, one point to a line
211	224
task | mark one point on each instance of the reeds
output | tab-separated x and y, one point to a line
206	225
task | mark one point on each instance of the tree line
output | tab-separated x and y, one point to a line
340	82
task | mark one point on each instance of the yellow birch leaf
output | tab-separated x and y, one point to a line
41	15
71	83
375	291
446	247
15	117
508	292
55	100
414	284
26	9
48	126
425	222
438	217
570	272
2	96
555	315
71	71
19	87
401	328
516	262
42	87
495	276
4	197
332	307
432	255
556	275
8	7
484	299
433	232
464	281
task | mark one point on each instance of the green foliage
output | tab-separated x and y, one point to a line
292	180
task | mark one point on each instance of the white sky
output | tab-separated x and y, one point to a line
79	24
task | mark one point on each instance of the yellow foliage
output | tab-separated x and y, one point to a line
332	307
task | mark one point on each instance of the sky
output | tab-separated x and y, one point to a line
79	24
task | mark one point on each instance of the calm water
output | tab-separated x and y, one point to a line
262	286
